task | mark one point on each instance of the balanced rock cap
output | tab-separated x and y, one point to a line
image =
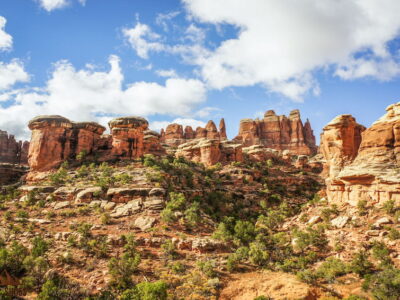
128	122
49	121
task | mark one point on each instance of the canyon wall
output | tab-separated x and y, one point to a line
363	164
279	133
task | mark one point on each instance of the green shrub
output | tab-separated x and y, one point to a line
362	207
331	268
307	276
207	267
39	246
59	177
389	207
146	291
360	264
381	253
122	268
244	232
384	284
169	249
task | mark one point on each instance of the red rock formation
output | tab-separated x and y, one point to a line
86	137
128	137
50	142
55	139
189	133
212	131
201	133
222	130
12	151
340	141
374	173
278	132
151	143
173	135
210	151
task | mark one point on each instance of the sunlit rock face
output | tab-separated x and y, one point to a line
12	151
340	141
278	132
55	139
374	172
50	142
210	151
128	137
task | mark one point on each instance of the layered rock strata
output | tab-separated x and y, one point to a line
210	151
370	171
278	132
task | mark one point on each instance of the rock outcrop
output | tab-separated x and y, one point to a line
174	135
56	139
128	137
50	142
340	142
12	151
210	151
373	172
151	143
278	132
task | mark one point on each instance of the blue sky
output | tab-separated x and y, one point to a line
195	60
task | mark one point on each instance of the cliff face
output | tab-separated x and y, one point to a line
55	139
373	172
12	151
278	132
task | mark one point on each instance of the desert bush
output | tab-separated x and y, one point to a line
389	207
384	284
331	268
360	264
147	291
207	267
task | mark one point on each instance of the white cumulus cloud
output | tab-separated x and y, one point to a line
11	73
6	40
280	43
157	125
51	5
87	94
143	39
